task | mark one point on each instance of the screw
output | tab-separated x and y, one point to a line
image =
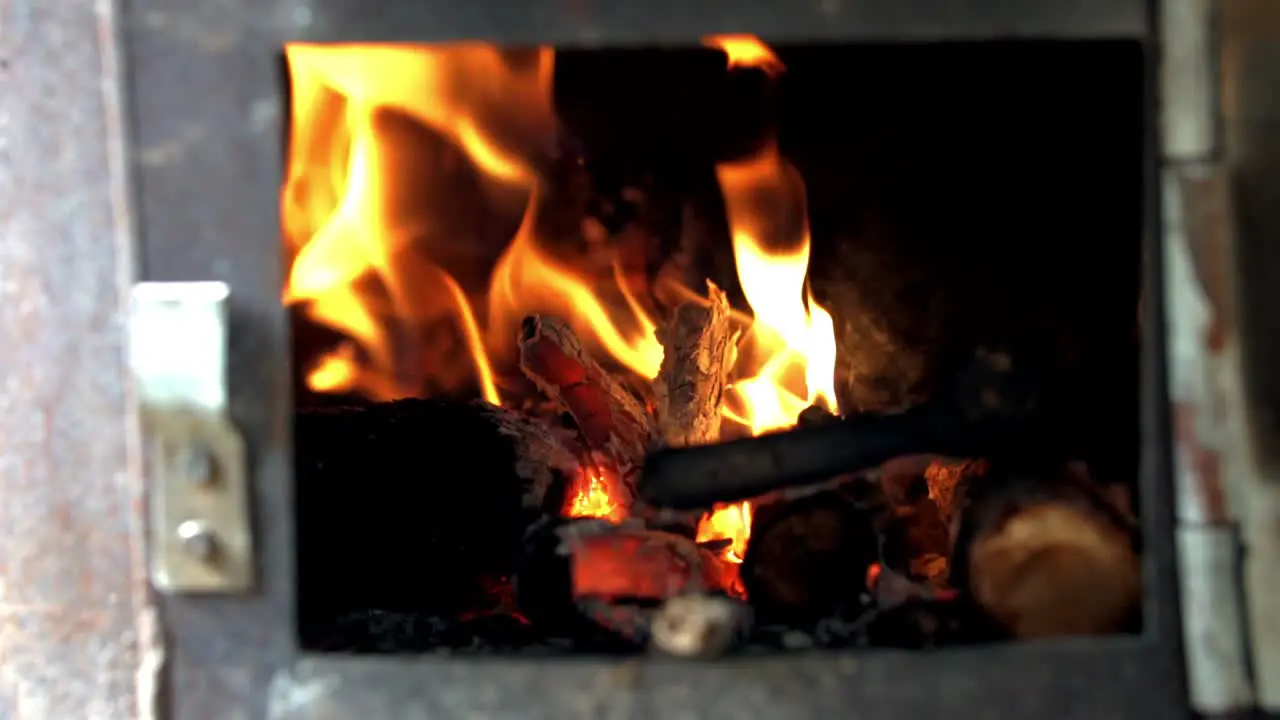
198	541
196	465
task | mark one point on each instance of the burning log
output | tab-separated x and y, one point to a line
417	505
697	346
632	563
808	556
615	426
1045	553
695	365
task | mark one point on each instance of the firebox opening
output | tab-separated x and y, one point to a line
515	273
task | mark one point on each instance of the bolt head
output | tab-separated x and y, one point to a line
198	541
196	466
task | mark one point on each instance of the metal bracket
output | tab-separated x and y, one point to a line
200	536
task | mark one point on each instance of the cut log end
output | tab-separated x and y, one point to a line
1056	570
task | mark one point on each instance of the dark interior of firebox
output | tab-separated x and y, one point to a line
969	205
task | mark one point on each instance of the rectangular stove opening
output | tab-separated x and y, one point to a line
716	349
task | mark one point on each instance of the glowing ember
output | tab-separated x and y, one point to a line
732	522
591	499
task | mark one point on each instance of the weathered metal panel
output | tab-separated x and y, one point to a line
1114	680
1240	271
75	627
595	22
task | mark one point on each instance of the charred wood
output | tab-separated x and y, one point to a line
918	542
416	505
615	426
1045	552
943	477
808	556
750	467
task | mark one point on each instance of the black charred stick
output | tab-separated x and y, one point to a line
700	476
987	415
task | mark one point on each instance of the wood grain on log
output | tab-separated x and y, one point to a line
697	345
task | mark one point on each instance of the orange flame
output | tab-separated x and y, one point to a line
746	51
764	198
792	338
592	500
527	280
356	215
354	268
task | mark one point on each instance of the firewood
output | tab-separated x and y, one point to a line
616	428
943	476
415	505
1045	552
808	556
917	542
697	345
697	349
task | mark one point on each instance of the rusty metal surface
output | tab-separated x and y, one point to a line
1069	680
1243	353
74	626
1225	346
208	111
1250	74
593	22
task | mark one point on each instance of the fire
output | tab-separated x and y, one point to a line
764	198
351	223
365	215
593	500
746	51
792	338
732	522
527	280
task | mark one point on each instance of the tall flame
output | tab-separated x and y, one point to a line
792	338
764	198
527	280
355	213
354	269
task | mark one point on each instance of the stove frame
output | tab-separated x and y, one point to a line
205	81
204	155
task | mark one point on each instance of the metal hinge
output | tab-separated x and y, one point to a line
200	536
